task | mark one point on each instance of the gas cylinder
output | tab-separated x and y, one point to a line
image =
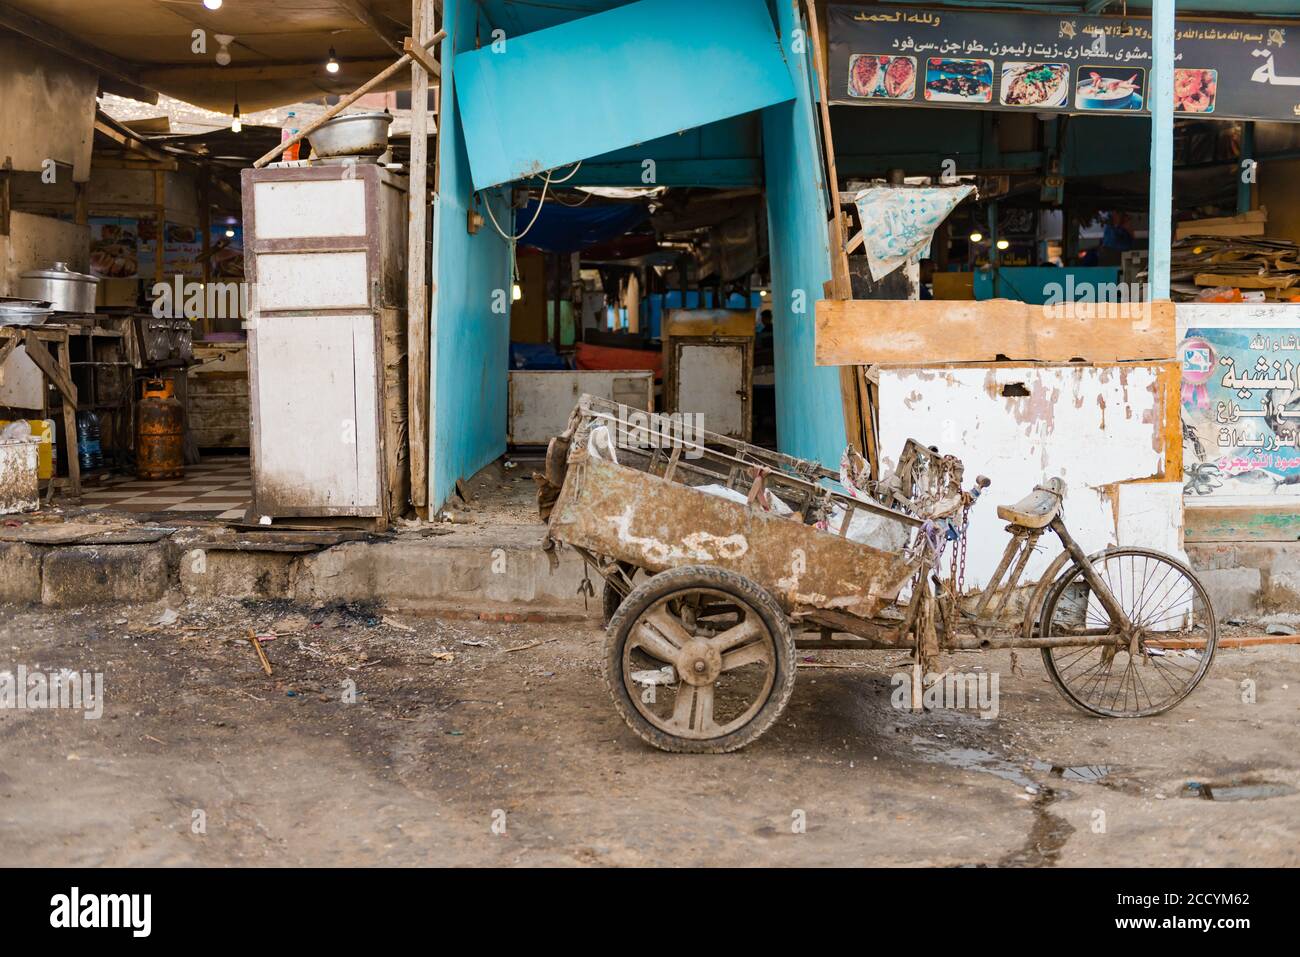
160	432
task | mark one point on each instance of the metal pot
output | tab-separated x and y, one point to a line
352	134
23	312
68	291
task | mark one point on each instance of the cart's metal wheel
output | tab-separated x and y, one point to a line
699	659
1170	650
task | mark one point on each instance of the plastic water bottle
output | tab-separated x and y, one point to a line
88	451
288	132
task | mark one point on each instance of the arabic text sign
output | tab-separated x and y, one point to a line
1241	412
1059	63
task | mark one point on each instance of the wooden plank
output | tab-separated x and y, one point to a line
344	103
62	380
864	331
65	43
417	292
1241	523
417	53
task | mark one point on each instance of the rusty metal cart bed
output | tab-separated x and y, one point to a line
746	554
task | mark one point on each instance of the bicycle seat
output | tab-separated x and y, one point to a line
1038	508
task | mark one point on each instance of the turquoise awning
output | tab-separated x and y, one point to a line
549	98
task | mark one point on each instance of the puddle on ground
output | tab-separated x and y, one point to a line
1088	773
1050	832
1235	790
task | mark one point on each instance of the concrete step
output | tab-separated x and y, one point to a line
459	574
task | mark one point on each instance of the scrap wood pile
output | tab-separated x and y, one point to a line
1233	268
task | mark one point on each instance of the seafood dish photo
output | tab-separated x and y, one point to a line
1034	84
1195	90
886	77
1108	88
964	81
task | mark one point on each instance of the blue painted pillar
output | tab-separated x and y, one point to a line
1161	98
809	413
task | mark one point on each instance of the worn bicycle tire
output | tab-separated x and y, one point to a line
1068	576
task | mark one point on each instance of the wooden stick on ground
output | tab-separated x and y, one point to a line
347	101
261	654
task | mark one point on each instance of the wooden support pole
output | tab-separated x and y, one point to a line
6	197
417	297
160	215
81	203
852	399
347	101
205	229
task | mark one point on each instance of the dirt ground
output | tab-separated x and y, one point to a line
459	750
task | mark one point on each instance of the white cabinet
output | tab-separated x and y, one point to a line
325	248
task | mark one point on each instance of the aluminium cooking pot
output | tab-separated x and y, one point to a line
352	134
68	291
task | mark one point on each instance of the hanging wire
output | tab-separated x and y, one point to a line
513	240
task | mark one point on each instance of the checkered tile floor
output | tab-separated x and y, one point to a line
219	486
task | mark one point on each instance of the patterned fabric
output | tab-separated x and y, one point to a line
899	221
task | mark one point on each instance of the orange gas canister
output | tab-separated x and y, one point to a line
160	432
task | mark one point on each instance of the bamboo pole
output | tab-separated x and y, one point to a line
392	70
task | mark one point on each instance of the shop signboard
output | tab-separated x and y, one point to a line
1241	413
1059	63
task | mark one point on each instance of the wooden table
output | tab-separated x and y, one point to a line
57	372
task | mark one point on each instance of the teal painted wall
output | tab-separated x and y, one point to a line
470	347
809	418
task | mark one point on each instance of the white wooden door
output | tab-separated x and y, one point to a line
711	382
318	446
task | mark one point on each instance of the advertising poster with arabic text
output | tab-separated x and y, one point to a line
1241	414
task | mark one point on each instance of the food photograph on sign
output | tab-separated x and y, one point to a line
882	76
1034	84
958	81
1195	90
1109	88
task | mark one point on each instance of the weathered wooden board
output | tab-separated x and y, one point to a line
871	332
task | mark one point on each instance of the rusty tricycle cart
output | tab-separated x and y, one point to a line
745	555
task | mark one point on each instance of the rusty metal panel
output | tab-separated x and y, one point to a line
656	525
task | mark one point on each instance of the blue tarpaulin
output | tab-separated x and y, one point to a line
567	229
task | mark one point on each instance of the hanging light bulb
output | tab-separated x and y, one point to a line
230	233
212	4
976	236
1004	244
333	65
236	124
223	48
516	292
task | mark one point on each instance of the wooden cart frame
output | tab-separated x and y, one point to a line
749	554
